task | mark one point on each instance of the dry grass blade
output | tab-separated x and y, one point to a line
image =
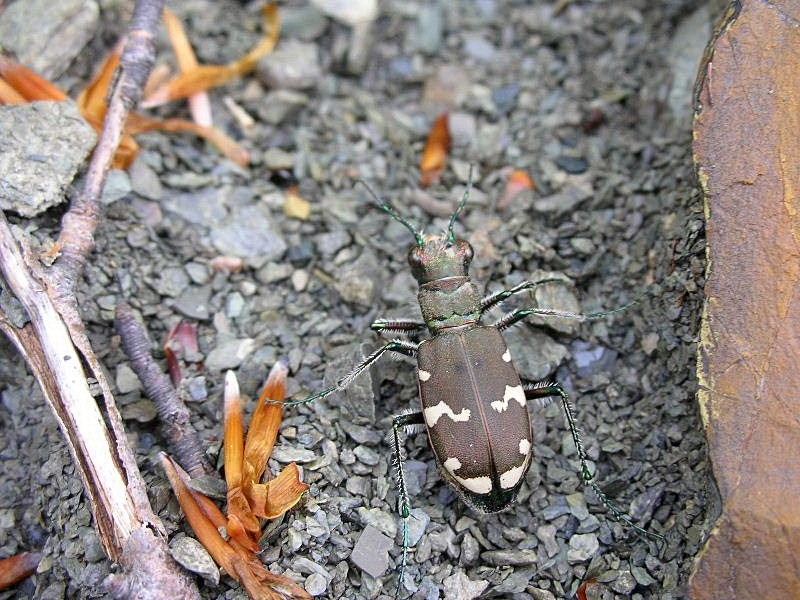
271	500
29	84
16	568
205	77
264	425
434	157
199	104
138	123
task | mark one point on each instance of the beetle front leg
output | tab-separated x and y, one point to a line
403	501
397	325
496	298
544	389
400	346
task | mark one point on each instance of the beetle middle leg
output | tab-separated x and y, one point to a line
520	314
400	346
545	389
403	501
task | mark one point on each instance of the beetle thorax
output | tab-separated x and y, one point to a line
449	302
446	295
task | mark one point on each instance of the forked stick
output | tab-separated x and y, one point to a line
56	347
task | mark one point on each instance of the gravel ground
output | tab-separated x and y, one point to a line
579	95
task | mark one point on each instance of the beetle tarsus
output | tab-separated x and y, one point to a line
535	391
403	502
518	315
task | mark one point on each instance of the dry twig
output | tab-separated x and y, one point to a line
175	418
56	347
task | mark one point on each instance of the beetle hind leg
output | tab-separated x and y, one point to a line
534	391
400	346
401	422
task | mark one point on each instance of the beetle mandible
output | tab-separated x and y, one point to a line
474	404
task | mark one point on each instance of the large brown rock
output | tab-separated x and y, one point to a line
747	152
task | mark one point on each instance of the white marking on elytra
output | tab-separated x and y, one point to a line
434	413
511	477
424	375
512	393
479	485
507	355
524	446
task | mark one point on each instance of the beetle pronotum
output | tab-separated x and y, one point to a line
474	405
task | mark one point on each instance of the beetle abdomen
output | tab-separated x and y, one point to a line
474	407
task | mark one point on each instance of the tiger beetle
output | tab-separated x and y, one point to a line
474	404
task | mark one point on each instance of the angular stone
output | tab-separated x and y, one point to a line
294	65
371	552
582	547
191	555
42	146
249	233
46	36
458	585
229	355
747	152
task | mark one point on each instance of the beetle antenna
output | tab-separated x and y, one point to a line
451	236
389	209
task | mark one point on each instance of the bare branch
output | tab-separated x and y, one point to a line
175	417
79	223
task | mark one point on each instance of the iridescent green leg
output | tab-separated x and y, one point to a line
522	313
403	501
545	389
401	346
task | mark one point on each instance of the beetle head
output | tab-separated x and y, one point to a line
439	257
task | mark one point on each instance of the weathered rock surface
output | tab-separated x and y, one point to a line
46	36
747	152
41	148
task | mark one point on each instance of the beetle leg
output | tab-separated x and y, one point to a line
533	391
400	346
397	325
518	315
496	297
556	389
403	501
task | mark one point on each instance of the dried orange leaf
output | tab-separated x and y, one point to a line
29	84
234	432
93	100
205	77
8	95
127	151
518	182
273	499
199	104
16	568
434	157
206	504
239	532
222	553
264	425
138	123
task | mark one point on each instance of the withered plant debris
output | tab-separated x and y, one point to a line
249	500
437	148
518	182
19	84
17	568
